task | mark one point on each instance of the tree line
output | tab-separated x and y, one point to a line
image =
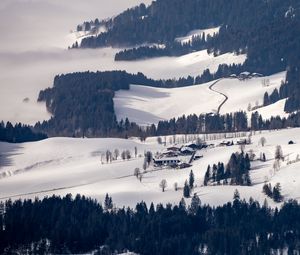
80	224
19	133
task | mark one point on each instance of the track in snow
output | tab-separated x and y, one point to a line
226	97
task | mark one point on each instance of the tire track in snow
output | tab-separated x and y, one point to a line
220	93
71	186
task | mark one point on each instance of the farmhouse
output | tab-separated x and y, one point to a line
166	161
244	76
174	148
187	150
257	75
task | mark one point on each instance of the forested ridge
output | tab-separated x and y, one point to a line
77	225
82	105
19	133
267	31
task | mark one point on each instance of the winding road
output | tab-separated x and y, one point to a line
225	97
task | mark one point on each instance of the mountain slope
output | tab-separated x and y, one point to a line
146	105
65	165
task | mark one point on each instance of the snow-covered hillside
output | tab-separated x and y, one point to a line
66	165
146	105
198	32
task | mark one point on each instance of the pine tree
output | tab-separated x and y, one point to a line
182	204
277	197
267	189
191	180
236	195
207	176
108	204
186	190
195	204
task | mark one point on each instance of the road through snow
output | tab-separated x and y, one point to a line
226	97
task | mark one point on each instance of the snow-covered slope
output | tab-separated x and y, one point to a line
241	93
146	105
198	32
66	165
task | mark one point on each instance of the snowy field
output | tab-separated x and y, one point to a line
66	165
146	105
35	50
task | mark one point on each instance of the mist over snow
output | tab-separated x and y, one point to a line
35	35
34	39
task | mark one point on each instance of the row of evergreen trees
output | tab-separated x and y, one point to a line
19	133
274	193
236	170
76	225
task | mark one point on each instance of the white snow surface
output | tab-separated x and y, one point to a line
69	165
146	105
33	47
198	32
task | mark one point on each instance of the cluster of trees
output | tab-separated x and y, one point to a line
82	103
204	123
291	89
19	133
171	49
257	123
274	193
271	99
236	170
189	185
89	25
114	155
80	224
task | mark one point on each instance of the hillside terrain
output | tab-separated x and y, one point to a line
140	127
67	165
147	105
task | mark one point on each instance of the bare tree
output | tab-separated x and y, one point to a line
279	153
163	185
276	165
108	156
159	140
135	151
176	186
116	153
136	172
265	82
123	155
251	154
174	139
262	141
128	154
145	165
